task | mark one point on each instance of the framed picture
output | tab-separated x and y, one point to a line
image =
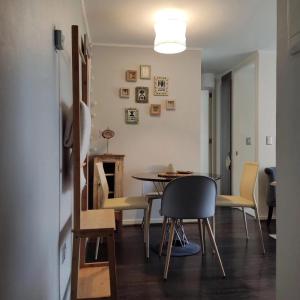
131	75
160	86
170	105
145	71
124	93
141	94
155	109
131	115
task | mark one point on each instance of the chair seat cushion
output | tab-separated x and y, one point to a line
126	203
233	201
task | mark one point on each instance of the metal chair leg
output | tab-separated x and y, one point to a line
245	222
147	228
201	236
97	248
170	242
164	229
260	231
213	242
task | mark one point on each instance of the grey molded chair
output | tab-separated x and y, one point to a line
190	197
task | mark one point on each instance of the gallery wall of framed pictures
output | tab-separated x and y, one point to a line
142	96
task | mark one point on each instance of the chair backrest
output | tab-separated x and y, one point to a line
102	183
190	197
248	180
271	198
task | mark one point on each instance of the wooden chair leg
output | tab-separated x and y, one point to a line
200	226
164	229
147	227
75	266
270	213
112	264
170	242
213	242
260	231
245	222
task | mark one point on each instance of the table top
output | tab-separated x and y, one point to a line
156	178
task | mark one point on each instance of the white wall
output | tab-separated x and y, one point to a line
174	137
36	194
266	122
288	162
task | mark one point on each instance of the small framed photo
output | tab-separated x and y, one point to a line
170	105
131	75
145	71
124	93
160	86
141	94
155	109
131	115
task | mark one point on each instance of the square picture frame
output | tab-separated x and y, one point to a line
141	94
170	105
145	72
124	92
155	110
131	75
161	86
131	116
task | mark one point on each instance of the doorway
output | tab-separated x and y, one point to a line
225	133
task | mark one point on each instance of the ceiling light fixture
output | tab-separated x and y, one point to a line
170	29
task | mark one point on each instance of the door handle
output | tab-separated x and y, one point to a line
228	162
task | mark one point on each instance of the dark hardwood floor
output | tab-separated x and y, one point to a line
250	274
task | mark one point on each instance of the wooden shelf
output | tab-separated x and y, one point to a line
93	282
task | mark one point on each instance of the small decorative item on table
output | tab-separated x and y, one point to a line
108	134
155	109
160	86
175	174
131	115
124	93
131	75
145	71
170	105
141	94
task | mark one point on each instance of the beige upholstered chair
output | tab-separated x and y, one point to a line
246	199
123	203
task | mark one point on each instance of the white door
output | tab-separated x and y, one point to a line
204	132
244	121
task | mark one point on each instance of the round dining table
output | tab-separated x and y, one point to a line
181	245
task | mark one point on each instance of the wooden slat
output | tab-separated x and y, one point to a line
98	219
76	125
93	282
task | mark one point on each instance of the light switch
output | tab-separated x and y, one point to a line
248	140
269	140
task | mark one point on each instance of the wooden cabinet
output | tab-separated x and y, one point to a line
113	165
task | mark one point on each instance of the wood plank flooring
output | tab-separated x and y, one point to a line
250	274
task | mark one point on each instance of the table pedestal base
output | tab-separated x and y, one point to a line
177	251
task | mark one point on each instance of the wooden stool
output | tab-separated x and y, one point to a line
94	280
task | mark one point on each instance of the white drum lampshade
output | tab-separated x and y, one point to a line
170	29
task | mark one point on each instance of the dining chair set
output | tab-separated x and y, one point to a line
187	197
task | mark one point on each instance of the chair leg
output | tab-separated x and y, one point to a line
270	213
97	248
260	231
146	232
214	225
170	242
164	229
213	242
245	222
200	226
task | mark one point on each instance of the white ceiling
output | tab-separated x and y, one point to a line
226	30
